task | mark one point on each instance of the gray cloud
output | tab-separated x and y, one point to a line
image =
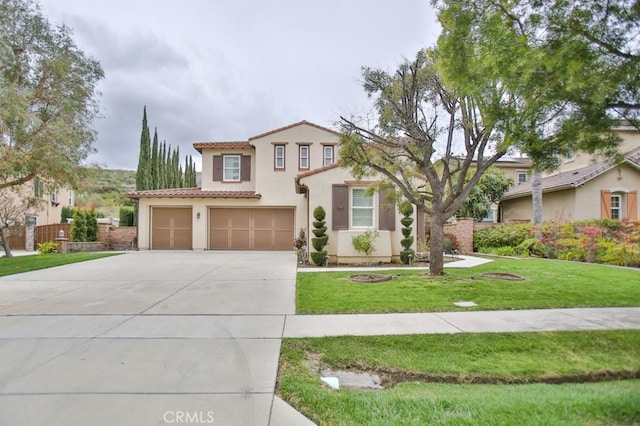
231	69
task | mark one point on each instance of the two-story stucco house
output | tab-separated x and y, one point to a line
257	194
584	187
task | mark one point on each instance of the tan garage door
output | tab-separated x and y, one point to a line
251	229
171	228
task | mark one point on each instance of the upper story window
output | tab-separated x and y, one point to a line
327	155
616	206
278	157
70	200
303	156
521	176
362	208
231	168
38	188
54	195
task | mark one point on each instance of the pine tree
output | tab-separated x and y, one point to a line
143	173
155	163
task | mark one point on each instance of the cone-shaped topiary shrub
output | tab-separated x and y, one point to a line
406	255
319	256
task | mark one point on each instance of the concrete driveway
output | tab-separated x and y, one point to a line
145	338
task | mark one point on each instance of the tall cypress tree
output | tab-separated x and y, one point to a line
162	169
143	173
155	163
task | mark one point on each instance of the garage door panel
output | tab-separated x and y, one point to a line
240	239
240	218
262	240
283	240
284	219
251	229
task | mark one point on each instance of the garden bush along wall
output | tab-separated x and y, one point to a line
605	241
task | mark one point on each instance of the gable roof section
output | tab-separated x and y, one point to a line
199	146
192	193
573	178
290	126
301	188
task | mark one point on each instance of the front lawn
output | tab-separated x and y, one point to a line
527	378
547	284
19	264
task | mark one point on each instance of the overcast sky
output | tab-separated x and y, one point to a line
220	70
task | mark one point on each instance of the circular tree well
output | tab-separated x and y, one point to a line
502	276
370	278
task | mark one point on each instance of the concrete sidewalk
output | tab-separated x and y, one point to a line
462	322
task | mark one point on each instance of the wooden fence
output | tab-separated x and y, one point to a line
50	232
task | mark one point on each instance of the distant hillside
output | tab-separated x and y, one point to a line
106	180
105	190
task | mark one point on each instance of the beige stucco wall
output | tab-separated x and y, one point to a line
630	141
575	204
207	171
340	246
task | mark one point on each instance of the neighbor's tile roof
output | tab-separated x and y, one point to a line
191	193
199	146
572	178
290	126
563	180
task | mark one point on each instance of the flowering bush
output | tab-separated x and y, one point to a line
607	241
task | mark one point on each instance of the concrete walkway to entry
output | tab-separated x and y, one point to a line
152	338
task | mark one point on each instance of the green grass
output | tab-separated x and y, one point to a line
523	358
19	264
548	284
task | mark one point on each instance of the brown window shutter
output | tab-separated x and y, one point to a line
386	213
217	168
632	205
605	204
245	168
340	207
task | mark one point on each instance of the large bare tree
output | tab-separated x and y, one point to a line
430	143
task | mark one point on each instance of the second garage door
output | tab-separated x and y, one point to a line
251	229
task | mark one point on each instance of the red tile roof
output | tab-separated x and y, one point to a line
290	126
199	146
316	171
191	193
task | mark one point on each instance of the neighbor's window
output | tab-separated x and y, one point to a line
231	168
303	154
361	208
616	206
327	155
70	200
522	176
54	195
38	188
278	157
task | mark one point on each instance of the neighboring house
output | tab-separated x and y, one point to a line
49	211
257	194
584	187
52	199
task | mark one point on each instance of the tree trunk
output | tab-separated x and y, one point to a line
5	243
436	246
536	197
